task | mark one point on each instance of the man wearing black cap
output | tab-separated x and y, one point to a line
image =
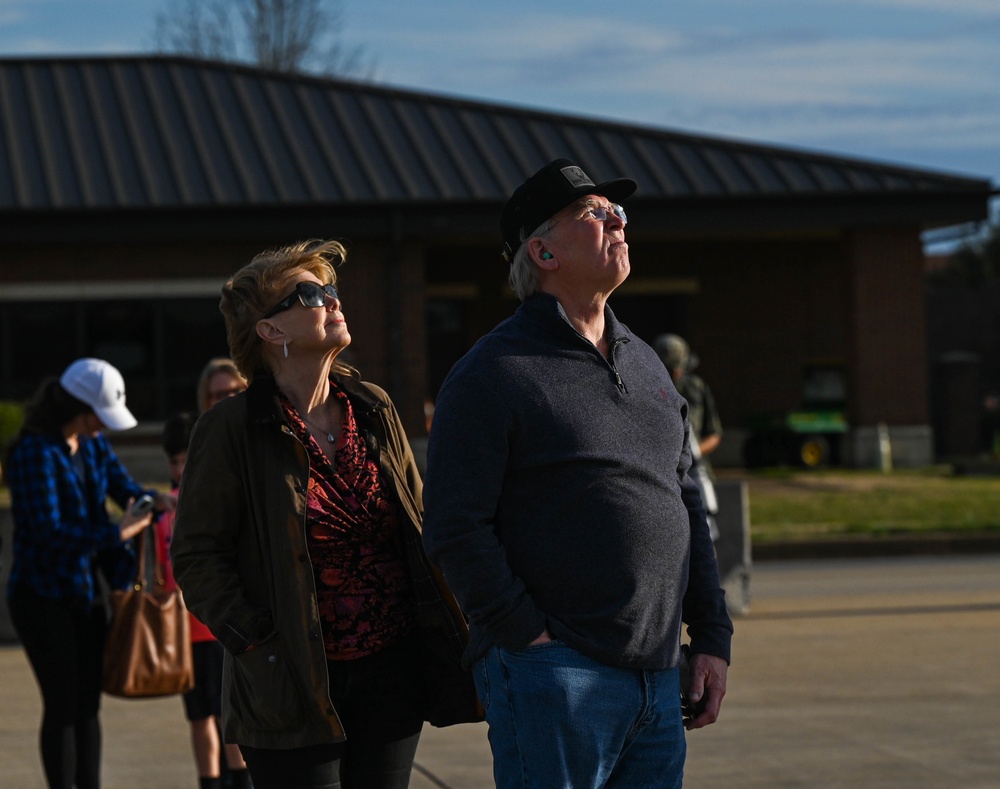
560	510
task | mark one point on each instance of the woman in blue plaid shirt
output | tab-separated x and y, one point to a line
61	470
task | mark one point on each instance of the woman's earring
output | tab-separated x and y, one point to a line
286	347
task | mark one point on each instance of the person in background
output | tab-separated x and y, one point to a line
706	427
203	703
677	357
560	510
219	379
297	542
61	470
419	443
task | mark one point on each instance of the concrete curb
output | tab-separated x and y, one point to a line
888	545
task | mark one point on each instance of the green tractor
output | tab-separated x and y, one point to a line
809	437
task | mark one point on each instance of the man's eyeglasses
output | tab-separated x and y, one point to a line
601	212
309	294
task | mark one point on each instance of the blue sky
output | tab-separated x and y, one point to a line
914	82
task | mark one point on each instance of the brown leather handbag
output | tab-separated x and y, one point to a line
148	649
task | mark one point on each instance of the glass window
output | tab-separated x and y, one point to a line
39	340
160	346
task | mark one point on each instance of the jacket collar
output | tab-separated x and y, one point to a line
263	405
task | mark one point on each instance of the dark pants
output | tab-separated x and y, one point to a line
64	641
380	701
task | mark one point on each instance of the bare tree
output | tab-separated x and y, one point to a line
978	260
284	35
196	27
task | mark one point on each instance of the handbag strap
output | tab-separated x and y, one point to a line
139	541
143	549
159	560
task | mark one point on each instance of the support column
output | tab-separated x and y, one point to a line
888	381
385	309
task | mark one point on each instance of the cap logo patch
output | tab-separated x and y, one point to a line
576	177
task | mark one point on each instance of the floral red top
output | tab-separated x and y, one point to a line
164	528
362	587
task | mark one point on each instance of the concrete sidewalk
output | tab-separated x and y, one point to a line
846	673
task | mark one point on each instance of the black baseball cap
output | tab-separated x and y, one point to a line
547	192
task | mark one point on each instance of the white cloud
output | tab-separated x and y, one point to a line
865	72
930	129
987	7
10	13
908	99
710	66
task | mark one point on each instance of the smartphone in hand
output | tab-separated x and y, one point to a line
689	709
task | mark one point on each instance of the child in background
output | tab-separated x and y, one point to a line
203	703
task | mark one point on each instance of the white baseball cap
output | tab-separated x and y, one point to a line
101	386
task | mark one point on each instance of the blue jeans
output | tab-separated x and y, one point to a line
559	719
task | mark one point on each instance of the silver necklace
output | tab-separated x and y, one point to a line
330	437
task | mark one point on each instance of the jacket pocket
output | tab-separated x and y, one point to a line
264	695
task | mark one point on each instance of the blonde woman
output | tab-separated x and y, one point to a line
297	542
219	379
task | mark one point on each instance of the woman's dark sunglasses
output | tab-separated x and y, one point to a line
308	293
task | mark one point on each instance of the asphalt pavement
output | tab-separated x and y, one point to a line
875	672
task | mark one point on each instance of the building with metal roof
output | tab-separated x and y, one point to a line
131	187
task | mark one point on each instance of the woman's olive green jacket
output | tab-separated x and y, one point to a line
239	554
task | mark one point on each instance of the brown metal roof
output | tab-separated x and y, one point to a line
157	132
